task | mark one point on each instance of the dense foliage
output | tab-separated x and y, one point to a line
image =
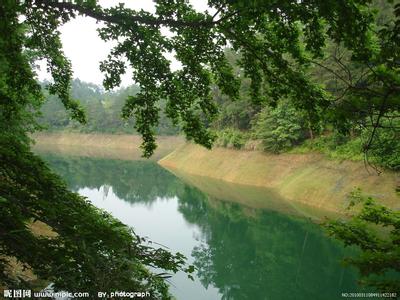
103	111
379	244
231	138
276	42
280	128
360	118
91	250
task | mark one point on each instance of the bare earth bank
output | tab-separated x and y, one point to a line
306	184
303	180
112	146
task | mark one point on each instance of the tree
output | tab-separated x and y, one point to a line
280	128
236	114
266	34
364	86
95	251
375	229
276	41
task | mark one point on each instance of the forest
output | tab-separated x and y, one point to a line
277	76
243	123
103	110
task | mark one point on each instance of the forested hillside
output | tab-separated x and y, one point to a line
353	124
103	108
290	75
350	123
275	125
278	125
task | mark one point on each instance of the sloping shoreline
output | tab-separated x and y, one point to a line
305	179
308	181
122	146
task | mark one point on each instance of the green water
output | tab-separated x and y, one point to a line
239	252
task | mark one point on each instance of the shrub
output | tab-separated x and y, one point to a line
231	138
334	145
385	149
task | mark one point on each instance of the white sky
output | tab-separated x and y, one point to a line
85	49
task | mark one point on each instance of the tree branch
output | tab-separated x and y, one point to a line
99	14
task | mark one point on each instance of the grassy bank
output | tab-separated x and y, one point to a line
308	179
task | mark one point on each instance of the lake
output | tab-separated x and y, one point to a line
239	252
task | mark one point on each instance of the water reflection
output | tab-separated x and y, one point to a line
251	254
133	181
239	252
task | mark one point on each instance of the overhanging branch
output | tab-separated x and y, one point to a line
99	14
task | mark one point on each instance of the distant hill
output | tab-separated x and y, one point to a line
103	110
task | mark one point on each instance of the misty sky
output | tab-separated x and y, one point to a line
85	49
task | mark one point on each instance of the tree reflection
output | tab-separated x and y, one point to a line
250	254
132	181
245	253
